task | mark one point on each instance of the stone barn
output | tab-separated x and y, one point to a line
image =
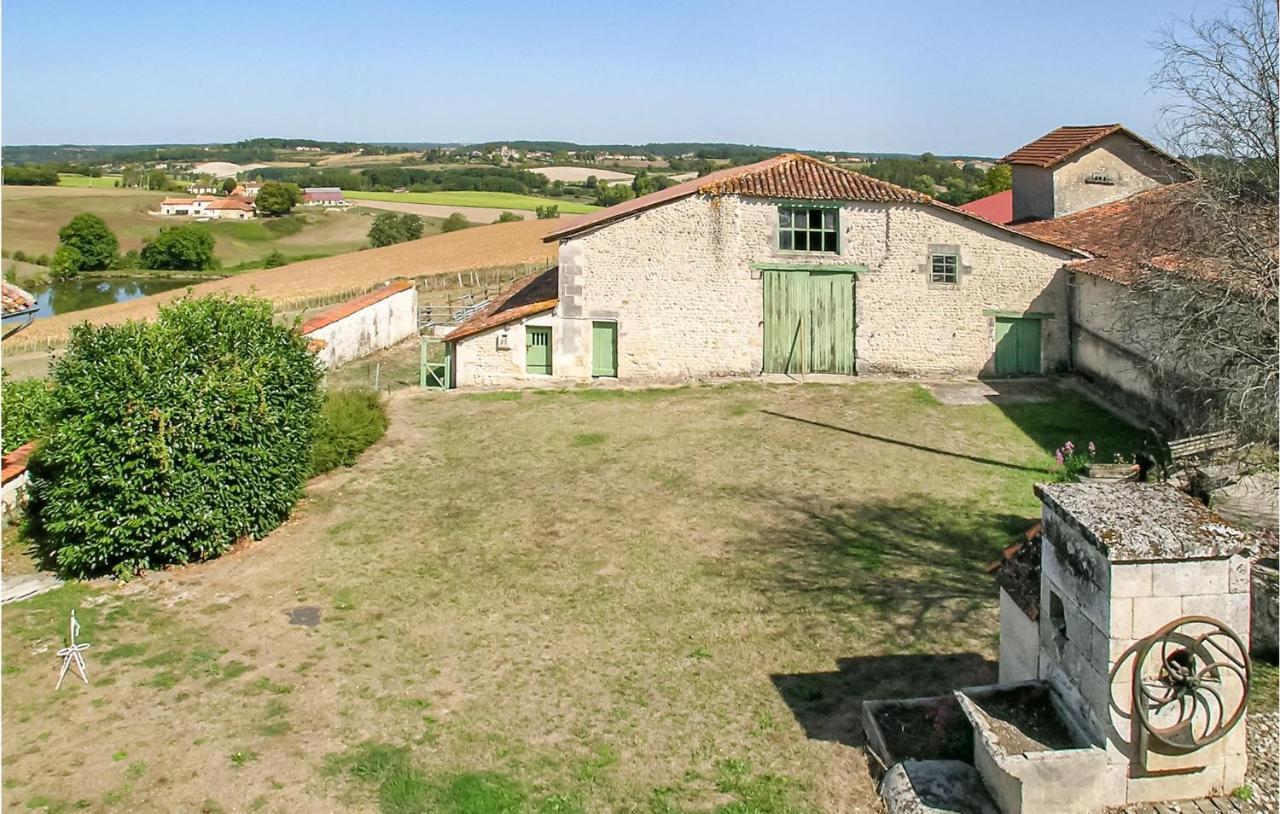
790	265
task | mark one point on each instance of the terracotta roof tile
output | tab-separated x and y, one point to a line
1053	148
231	203
346	309
1133	237
525	297
14	300
15	463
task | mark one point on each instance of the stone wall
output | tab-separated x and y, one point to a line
369	323
482	360
1056	191
1094	613
678	280
1019	642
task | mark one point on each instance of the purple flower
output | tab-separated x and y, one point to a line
1058	457
1092	449
1069	447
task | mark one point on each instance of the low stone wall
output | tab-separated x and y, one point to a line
369	323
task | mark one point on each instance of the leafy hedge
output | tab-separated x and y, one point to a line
350	420
25	406
173	439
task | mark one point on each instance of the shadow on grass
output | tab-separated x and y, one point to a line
915	564
1051	424
828	706
907	444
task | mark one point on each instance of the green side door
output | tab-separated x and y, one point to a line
604	349
1017	346
537	350
831	323
786	338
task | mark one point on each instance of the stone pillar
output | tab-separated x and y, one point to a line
1120	562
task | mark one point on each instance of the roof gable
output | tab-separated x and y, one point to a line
525	297
790	175
1053	148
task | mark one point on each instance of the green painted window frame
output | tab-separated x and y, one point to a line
944	269
791	235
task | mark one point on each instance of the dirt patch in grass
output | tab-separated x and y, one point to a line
683	616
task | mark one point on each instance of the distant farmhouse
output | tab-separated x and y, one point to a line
209	206
795	266
323	196
247	189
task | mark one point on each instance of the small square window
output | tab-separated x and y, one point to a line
804	229
944	268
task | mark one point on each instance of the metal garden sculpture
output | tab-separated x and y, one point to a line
1191	680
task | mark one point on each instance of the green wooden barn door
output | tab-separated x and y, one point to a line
831	324
537	350
604	349
786	304
1017	346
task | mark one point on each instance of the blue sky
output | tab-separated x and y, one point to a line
950	77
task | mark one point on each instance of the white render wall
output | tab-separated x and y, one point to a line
372	328
678	280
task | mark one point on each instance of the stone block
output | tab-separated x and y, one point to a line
1150	613
1238	575
1230	609
1121	617
1131	579
1190	577
1206	782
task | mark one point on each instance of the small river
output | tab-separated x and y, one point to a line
76	295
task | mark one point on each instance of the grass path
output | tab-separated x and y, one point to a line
630	601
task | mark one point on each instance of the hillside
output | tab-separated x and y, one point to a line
332	278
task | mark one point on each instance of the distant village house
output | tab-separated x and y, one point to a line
323	196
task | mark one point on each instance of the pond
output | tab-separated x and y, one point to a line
75	295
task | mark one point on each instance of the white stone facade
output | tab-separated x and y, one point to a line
373	327
679	282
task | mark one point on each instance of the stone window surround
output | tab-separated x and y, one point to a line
926	268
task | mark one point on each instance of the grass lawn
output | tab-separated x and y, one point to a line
68	179
634	601
494	200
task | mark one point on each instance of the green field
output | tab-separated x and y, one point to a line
66	179
492	200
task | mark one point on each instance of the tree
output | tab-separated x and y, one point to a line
1209	329
188	248
508	217
89	235
208	416
276	198
455	222
229	186
389	228
550	212
998	179
65	264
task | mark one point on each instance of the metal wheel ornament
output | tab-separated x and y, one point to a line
1190	683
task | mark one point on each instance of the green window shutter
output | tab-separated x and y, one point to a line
537	350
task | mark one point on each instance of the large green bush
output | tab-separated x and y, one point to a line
25	406
94	241
187	248
350	420
171	440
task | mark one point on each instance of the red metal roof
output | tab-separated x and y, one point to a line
997	208
527	296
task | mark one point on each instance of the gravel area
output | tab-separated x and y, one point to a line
1264	737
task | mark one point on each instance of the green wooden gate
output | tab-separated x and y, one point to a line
537	350
604	349
809	322
1017	346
